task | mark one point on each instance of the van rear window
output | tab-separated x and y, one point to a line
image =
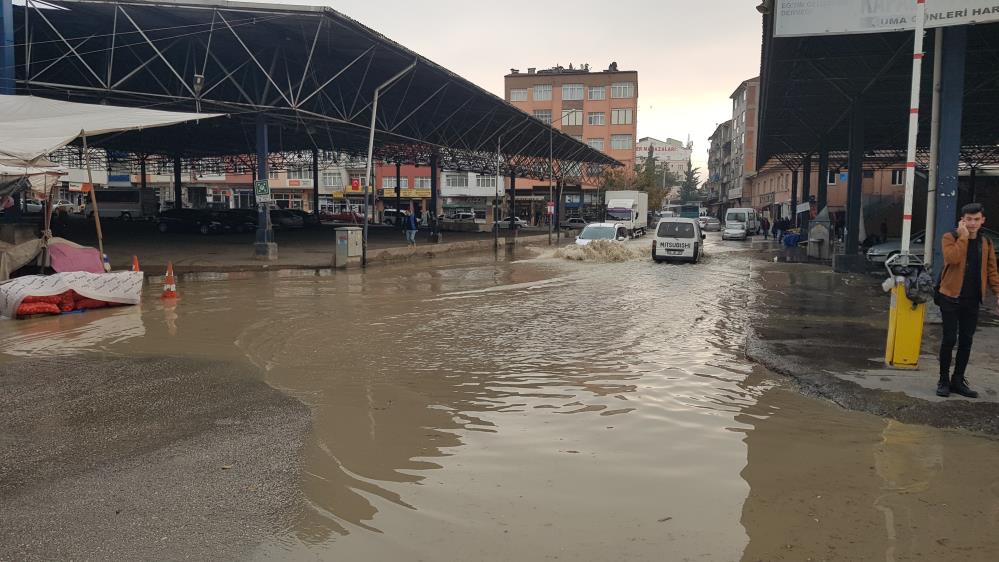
675	230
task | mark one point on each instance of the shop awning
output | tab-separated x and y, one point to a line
32	127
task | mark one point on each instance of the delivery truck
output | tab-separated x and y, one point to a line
630	208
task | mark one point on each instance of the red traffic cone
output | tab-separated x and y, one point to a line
135	263
169	283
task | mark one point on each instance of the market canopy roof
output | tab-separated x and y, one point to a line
808	86
309	69
32	127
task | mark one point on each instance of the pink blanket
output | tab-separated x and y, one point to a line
68	257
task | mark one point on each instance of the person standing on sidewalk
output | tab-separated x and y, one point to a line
765	226
411	228
969	269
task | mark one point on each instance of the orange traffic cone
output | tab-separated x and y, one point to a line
169	283
135	263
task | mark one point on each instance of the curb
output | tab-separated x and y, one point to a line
982	417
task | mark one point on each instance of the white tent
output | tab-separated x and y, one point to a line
32	127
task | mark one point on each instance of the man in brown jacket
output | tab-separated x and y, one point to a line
969	269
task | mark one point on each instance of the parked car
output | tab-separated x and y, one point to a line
505	223
346	216
879	253
734	231
308	219
461	217
283	218
709	224
34	206
189	220
391	216
612	231
67	206
574	223
238	220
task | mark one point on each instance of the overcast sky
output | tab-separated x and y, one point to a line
690	56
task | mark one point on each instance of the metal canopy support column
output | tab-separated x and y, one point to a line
398	196
434	190
142	172
955	41
823	178
6	47
178	190
264	247
806	192
794	198
855	178
315	182
513	205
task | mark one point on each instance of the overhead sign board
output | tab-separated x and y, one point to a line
796	18
262	191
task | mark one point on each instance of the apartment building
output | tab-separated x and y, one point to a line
720	169
599	108
460	192
745	104
671	153
882	196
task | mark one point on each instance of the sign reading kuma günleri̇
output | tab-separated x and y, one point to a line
795	18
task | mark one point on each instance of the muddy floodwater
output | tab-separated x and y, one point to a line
543	408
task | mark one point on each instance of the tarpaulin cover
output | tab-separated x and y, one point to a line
68	256
14	257
123	287
32	127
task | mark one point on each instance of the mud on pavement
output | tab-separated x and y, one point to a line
153	458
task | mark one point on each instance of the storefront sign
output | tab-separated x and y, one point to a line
796	18
355	184
406	193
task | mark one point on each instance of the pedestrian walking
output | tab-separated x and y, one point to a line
969	268
765	226
775	229
411	228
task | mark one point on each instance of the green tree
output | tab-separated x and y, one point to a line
691	182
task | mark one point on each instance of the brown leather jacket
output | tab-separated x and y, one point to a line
955	253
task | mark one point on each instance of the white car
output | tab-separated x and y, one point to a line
678	239
63	204
611	231
734	231
505	223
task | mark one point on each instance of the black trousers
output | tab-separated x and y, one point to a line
960	320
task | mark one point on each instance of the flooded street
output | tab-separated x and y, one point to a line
539	408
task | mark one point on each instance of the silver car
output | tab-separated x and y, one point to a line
880	253
710	224
734	231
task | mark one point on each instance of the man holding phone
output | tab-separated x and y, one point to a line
969	269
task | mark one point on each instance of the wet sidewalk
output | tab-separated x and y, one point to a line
827	331
310	248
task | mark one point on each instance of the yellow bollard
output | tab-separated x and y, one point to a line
905	330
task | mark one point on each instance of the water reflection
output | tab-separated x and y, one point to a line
69	334
827	484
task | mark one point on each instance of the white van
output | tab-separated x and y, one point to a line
679	239
745	215
125	204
